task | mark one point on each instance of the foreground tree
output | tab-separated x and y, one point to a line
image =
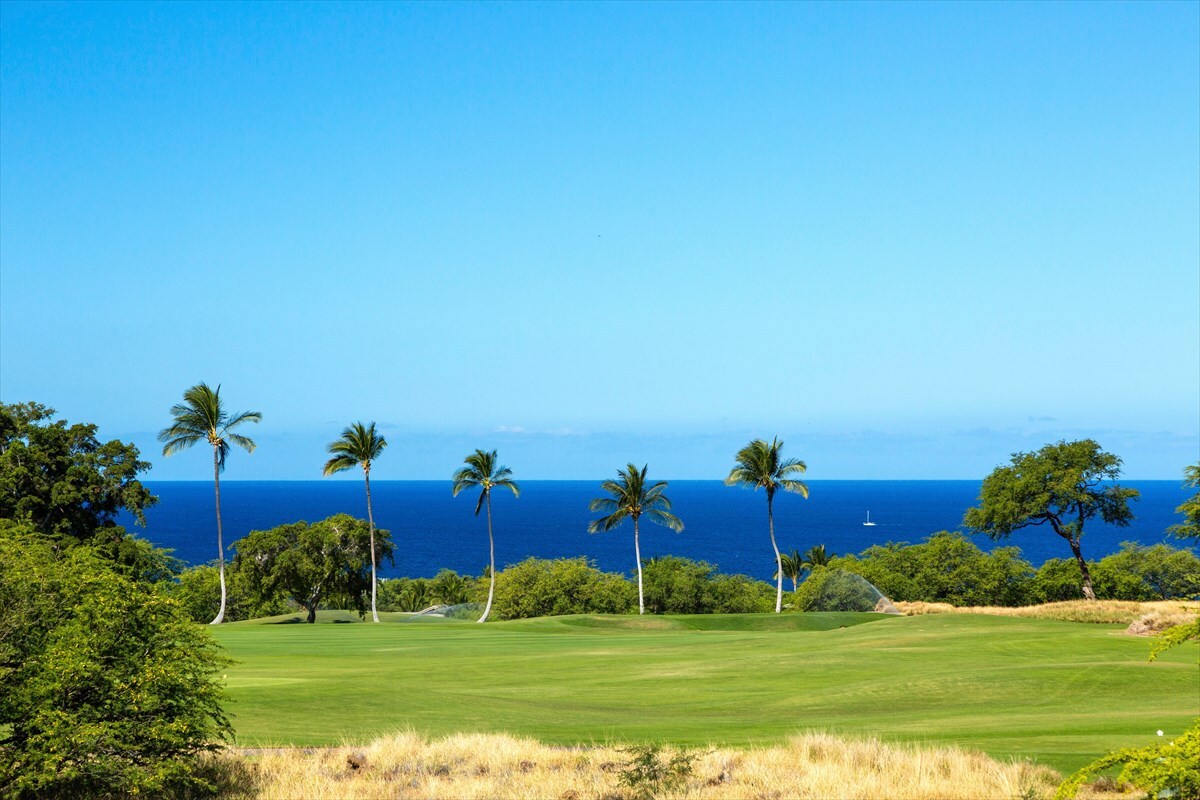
109	689
312	565
201	417
358	447
68	485
629	498
762	465
1190	527
1062	485
483	473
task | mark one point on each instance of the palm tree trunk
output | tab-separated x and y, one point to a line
778	560
220	540
637	554
371	527
491	562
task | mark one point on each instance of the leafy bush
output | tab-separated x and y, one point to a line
1137	572
541	588
1171	769
1164	572
945	568
741	594
649	775
198	590
110	689
674	585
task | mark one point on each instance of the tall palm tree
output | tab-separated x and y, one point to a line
631	498
482	472
359	446
761	465
200	417
792	564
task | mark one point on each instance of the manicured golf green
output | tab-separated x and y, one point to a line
1057	692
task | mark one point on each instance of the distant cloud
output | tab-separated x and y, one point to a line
543	432
1043	419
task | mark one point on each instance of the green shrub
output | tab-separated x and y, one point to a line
674	585
1164	572
1137	572
650	775
198	590
945	568
542	588
109	687
741	594
1167	770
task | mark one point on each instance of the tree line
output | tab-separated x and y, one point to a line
1061	486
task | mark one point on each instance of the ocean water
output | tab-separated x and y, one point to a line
725	526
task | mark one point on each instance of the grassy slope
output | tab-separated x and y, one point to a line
1058	692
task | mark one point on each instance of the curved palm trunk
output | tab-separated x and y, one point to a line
637	554
371	527
220	540
778	560
491	562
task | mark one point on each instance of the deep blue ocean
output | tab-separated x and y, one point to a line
725	526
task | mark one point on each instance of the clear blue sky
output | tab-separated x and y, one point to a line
907	238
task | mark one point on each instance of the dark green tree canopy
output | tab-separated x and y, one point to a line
62	480
1062	485
327	561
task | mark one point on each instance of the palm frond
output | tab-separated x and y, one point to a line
609	522
666	519
244	442
339	464
177	441
240	418
798	487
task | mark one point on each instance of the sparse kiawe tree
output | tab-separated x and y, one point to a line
483	473
630	498
1062	485
359	446
200	417
325	562
762	465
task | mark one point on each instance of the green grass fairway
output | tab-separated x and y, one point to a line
1058	692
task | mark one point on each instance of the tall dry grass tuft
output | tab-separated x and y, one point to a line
1101	611
467	766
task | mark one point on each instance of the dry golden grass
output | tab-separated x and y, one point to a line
1108	611
466	766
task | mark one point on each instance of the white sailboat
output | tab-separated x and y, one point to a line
868	522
